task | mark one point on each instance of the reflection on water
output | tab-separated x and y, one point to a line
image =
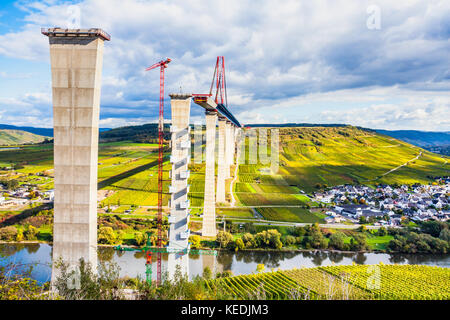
132	263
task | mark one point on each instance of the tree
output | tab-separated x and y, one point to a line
240	244
432	227
337	240
224	238
318	241
249	240
31	233
382	231
289	240
358	242
269	238
8	233
119	236
19	235
195	241
106	235
140	238
445	235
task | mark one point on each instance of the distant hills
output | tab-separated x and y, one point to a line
434	141
14	137
420	138
143	133
46	132
314	157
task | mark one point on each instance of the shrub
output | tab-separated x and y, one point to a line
31	233
19	235
337	241
358	242
140	238
106	235
269	238
224	238
8	233
382	231
207	273
195	241
249	240
289	240
240	244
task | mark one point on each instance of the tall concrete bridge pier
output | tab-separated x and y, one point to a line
215	193
179	188
76	57
209	202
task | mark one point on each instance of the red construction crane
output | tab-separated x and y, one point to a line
219	79
162	64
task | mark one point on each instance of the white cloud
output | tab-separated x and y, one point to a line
278	55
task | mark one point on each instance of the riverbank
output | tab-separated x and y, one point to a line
227	250
132	263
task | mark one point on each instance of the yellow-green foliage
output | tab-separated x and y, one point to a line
338	155
342	282
399	282
267	285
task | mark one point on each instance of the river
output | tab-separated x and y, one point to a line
132	264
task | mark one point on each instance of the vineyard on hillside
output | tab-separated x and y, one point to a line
354	282
397	282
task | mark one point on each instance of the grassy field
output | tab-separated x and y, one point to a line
357	282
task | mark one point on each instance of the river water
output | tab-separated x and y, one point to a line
132	264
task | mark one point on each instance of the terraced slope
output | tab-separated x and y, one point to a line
355	282
314	157
338	155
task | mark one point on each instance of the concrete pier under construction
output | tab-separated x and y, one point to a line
76	65
209	211
179	188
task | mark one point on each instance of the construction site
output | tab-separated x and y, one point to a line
76	57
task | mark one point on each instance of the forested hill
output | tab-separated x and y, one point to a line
142	133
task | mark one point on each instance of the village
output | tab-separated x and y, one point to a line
387	205
24	195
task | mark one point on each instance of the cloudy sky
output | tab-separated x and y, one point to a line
377	64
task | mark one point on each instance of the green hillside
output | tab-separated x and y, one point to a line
333	156
310	157
16	137
315	157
